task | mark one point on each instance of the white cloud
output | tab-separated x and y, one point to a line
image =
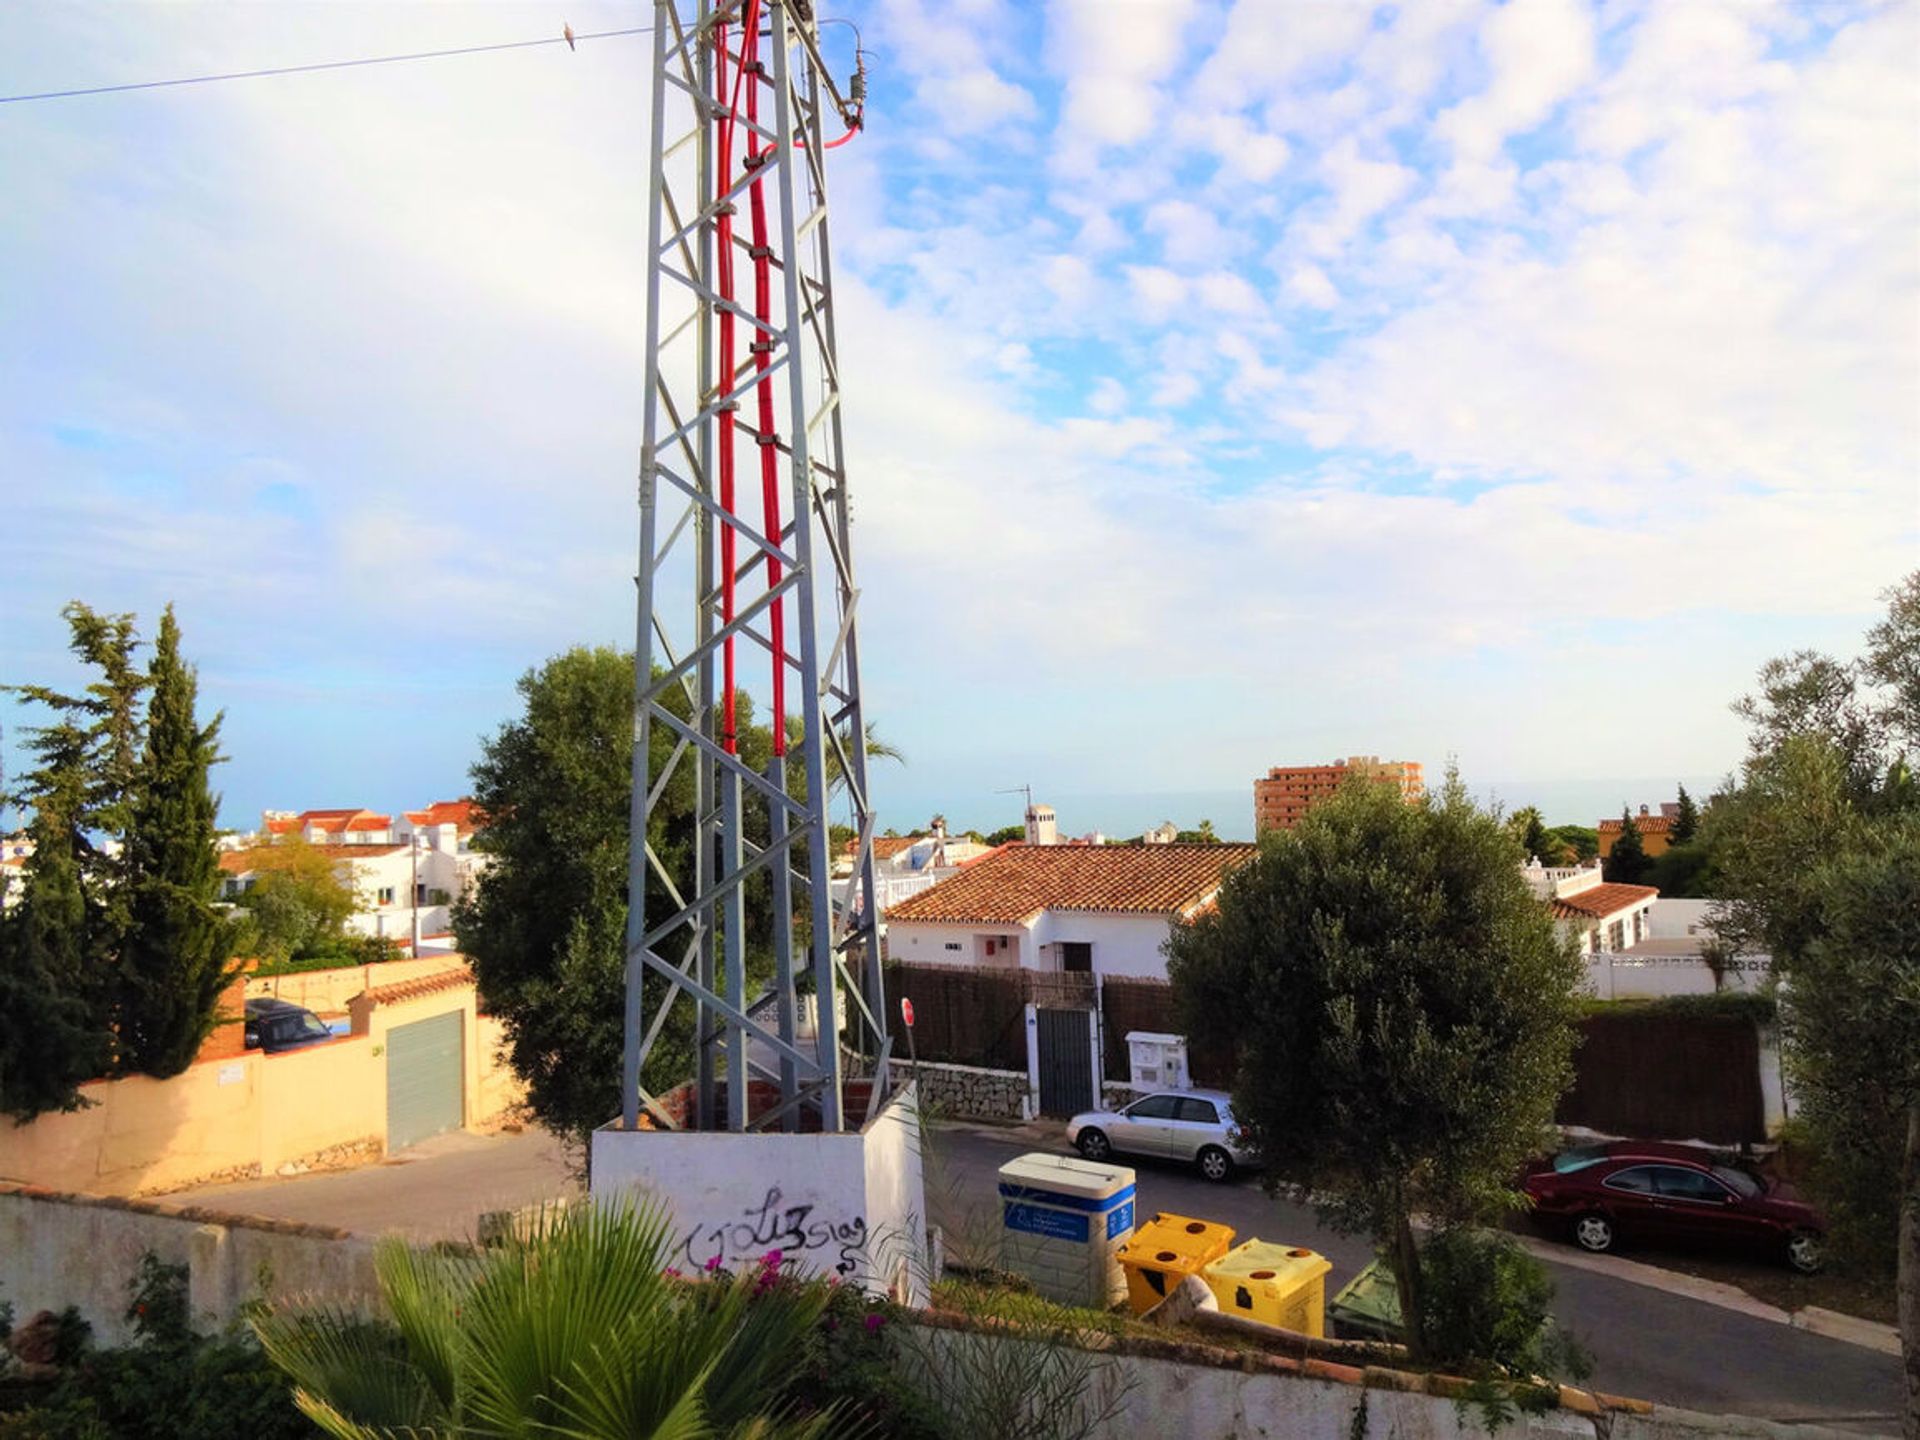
1226	291
1189	234
1309	285
1537	52
1158	291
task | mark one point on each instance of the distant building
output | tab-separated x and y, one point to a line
1165	833
1654	832
1089	909
1605	917
1042	828
1287	792
405	876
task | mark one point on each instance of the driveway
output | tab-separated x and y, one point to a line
436	1190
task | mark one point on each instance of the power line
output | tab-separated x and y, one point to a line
568	39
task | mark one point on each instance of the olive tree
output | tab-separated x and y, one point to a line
1402	1010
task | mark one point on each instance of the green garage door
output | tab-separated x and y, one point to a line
423	1079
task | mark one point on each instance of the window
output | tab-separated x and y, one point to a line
1578	1158
385	895
1675	1183
1599	945
1637	1180
953	944
1154	1107
1198	1112
1738	1181
420	892
1617	935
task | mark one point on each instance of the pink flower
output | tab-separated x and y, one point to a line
875	1321
713	1264
671	1273
772	1259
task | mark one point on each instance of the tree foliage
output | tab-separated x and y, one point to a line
1815	863
112	960
174	955
1527	827
1401	1006
1627	862
298	905
1686	821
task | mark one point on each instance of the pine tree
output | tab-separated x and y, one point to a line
1686	824
173	959
1627	862
51	1035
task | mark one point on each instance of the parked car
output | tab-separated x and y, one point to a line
276	1025
1190	1125
1645	1190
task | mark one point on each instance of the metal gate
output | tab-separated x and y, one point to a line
424	1089
1066	1061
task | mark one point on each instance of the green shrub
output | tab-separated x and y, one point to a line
1488	1306
170	1384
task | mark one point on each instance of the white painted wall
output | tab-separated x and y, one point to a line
1126	945
918	943
1681	919
832	1204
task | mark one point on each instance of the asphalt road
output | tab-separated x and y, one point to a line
1645	1342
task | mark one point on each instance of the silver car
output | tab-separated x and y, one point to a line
1191	1125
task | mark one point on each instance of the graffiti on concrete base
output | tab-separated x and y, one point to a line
794	1230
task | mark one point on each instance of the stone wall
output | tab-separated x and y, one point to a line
1117	1095
84	1250
970	1092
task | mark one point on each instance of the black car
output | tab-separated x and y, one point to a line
276	1025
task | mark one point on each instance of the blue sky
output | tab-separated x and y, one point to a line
1227	384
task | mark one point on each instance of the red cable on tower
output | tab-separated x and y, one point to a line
763	365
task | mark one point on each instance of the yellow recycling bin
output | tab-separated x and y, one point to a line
1166	1250
1279	1285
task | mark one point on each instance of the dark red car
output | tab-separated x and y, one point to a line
1676	1194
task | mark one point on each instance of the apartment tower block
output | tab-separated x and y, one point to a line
1287	792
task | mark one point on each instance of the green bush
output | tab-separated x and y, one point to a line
1488	1306
170	1384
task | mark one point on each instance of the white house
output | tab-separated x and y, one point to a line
405	875
1103	910
1604	915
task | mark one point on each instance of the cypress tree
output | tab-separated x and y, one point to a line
173	960
1627	862
1687	823
51	1038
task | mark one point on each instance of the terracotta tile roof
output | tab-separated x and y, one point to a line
459	813
330	820
414	989
1645	824
1019	881
1600	901
885	847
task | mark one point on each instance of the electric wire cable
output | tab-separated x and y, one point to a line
568	40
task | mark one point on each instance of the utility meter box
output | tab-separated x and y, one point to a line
1063	1221
1158	1062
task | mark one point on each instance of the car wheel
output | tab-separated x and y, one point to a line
1804	1251
1215	1164
1593	1232
1094	1144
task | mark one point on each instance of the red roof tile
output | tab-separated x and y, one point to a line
1645	824
1019	881
414	989
239	862
1601	901
459	813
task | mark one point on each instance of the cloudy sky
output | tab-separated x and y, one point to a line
1228	384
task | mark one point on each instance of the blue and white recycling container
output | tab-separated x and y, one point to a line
1063	1221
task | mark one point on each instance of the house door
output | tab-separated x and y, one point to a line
1066	1061
424	1089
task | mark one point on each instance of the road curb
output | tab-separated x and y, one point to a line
1829	1324
1851	1328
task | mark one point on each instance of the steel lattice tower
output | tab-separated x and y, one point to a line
737	590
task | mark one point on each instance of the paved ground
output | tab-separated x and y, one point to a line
434	1191
1645	1342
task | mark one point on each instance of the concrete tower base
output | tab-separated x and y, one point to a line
851	1204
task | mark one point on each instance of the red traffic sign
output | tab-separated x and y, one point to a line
906	1011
